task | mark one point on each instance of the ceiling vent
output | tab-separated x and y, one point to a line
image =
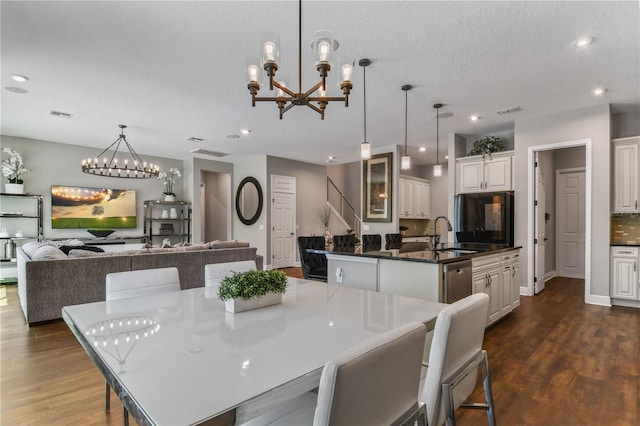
61	114
194	139
509	110
209	153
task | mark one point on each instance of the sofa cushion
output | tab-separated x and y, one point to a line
196	247
217	244
77	252
30	248
48	252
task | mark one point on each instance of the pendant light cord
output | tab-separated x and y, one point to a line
364	82
406	113
300	46
437	136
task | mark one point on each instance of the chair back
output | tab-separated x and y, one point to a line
314	266
371	242
215	272
375	382
344	243
457	338
143	282
392	241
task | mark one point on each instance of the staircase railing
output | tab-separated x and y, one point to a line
345	209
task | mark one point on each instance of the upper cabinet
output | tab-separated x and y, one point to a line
475	174
627	175
415	196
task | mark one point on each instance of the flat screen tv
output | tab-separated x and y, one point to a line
75	207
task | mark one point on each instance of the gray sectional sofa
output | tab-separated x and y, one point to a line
47	284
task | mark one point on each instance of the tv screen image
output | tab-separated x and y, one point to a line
75	207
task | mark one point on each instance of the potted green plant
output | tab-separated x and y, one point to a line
12	168
487	145
244	291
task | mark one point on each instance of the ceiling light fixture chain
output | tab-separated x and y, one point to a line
324	45
365	147
437	169
138	169
405	161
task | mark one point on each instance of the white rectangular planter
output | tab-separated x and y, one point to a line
241	305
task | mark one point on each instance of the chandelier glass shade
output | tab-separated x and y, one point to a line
316	97
405	161
131	167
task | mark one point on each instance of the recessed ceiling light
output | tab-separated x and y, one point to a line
599	91
474	118
245	131
446	157
19	77
194	139
423	149
12	89
584	42
233	136
60	114
331	157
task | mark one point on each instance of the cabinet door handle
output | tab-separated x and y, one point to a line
513	272
636	204
634	266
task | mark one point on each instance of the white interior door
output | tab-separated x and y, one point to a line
283	241
539	238
570	223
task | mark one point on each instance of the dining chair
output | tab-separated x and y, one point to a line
314	266
143	282
344	243
456	353
373	383
392	241
371	242
215	272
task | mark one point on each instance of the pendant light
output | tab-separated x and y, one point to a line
437	169
365	147
405	161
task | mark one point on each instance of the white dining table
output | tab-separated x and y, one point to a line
180	359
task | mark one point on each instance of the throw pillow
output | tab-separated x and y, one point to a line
67	249
48	253
227	244
31	247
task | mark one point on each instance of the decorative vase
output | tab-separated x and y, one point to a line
240	305
14	188
173	214
328	239
169	197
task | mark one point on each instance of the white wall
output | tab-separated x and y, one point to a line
589	123
59	164
257	234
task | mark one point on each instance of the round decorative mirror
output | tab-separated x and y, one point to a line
249	201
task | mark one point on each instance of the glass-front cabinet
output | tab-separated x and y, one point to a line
20	221
167	222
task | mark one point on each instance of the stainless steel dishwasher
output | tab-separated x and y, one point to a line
457	280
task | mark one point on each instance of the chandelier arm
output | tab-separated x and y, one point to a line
327	99
284	89
108	148
133	153
115	151
313	89
287	108
315	108
272	99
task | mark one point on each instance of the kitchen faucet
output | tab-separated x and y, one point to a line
436	236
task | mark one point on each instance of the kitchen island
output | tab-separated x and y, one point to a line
443	274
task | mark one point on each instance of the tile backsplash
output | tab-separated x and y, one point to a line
625	229
417	227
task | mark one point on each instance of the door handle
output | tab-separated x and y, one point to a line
291	233
634	266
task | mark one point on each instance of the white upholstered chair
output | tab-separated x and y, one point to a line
373	383
144	282
456	353
215	272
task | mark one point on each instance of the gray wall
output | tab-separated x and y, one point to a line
256	234
625	124
588	123
59	164
217	204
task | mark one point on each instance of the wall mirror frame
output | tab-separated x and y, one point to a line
249	200
377	188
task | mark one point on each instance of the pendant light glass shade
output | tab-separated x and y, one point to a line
365	151
437	170
405	162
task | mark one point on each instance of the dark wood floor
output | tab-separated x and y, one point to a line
554	361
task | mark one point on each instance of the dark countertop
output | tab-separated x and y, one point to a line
625	244
423	252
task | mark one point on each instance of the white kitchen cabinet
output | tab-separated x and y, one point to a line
626	175
475	174
624	273
414	198
499	277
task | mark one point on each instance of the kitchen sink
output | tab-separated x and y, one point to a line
458	250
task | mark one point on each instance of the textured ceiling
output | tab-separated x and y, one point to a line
174	70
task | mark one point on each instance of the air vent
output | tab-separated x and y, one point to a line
194	139
509	110
61	114
208	152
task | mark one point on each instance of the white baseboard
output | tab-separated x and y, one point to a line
627	303
524	291
594	299
549	275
